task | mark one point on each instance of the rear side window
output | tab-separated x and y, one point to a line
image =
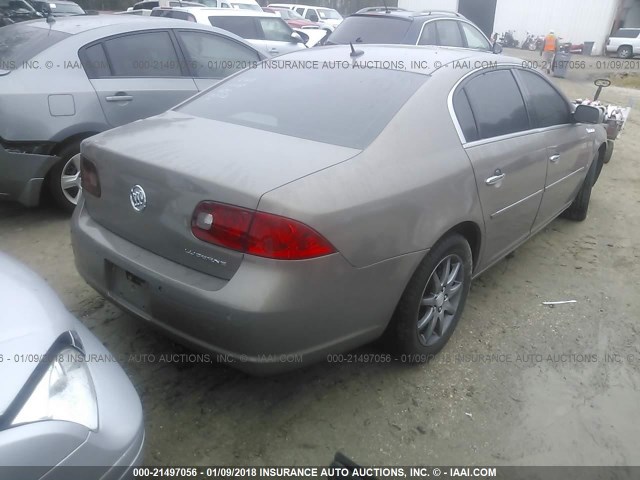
213	56
146	5
269	99
428	36
370	29
95	62
547	105
19	43
631	33
449	34
149	54
244	27
497	104
465	116
275	29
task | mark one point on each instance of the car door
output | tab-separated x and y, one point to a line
277	34
495	130
212	57
137	75
566	144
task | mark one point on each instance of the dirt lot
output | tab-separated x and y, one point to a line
562	387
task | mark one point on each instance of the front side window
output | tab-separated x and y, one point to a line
213	56
149	54
475	38
449	34
244	27
275	29
497	104
548	106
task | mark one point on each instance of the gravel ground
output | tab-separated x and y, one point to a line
518	384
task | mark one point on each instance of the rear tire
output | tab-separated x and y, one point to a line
578	209
433	301
61	178
625	52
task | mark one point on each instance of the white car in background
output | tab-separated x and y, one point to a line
625	42
265	31
323	15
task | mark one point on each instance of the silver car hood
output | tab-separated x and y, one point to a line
31	319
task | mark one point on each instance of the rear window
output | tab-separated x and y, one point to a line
19	43
627	33
274	99
370	29
69	8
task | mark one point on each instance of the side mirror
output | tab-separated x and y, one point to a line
497	48
299	37
588	114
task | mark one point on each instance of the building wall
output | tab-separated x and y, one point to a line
575	21
419	5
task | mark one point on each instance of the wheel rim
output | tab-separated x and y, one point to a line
70	180
625	53
440	300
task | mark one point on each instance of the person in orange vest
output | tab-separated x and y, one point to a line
549	50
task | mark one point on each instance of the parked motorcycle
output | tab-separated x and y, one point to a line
507	40
533	42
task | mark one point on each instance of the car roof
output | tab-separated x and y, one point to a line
421	59
220	12
79	24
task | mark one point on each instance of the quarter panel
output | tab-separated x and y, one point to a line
400	195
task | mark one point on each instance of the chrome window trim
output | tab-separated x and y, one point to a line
484	141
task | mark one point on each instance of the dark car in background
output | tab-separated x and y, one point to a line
62	8
447	29
13	11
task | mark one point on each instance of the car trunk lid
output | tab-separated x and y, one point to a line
179	161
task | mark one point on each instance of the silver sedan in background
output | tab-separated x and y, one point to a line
240	226
64	402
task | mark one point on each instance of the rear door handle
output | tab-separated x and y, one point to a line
554	158
119	98
495	179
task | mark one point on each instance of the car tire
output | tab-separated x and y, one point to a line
578	209
625	51
63	173
426	316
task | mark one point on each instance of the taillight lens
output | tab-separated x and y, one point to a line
257	233
89	178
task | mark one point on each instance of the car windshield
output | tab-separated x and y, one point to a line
326	14
269	98
15	6
287	14
67	8
370	29
246	6
20	43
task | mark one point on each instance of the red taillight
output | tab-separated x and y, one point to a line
257	233
89	178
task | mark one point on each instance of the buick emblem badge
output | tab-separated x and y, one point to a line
138	198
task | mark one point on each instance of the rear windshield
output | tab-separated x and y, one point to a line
361	103
370	29
66	8
19	43
627	33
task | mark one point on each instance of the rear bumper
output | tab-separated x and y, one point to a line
22	174
271	316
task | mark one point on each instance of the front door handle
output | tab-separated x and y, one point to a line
495	179
119	98
554	158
